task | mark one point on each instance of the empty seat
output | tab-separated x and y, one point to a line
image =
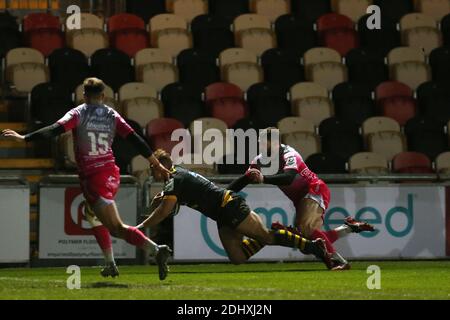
295	34
140	102
90	38
379	40
170	32
225	101
188	9
324	66
440	64
305	143
353	102
310	10
395	100
253	32
25	68
68	67
325	163
337	32
206	130
420	31
311	101
10	37
291	125
240	67
228	8
159	133
272	9
368	163
387	143
411	162
127	33
197	67
395	10
443	163
146	9
268	103
434	101
42	31
408	65
282	67
366	66
212	33
113	67
436	9
445	29
379	124
182	102
354	9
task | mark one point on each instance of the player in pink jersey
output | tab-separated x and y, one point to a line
94	126
309	194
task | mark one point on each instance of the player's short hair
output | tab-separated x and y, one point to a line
93	87
163	157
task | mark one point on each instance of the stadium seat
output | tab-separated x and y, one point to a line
426	136
197	67
159	132
49	103
411	162
124	151
209	128
295	34
228	8
323	163
225	101
324	66
212	33
387	143
445	29
170	32
420	31
240	67
442	163
408	65
127	33
368	163
337	32
354	9
188	9
109	99
182	102
379	40
139	102
291	125
305	143
272	9
395	100
440	64
436	9
42	31
113	67
379	124
90	38
146	9
253	32
366	66
282	67
10	36
395	10
25	68
68	67
310	101
434	101
353	102
310	10
268	103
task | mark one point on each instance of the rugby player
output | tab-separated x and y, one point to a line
233	216
94	126
309	195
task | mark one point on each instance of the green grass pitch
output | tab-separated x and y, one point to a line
294	281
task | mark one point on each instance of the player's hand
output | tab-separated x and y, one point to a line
11	134
255	175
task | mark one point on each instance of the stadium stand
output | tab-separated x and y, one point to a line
170	32
379	40
445	29
411	162
337	31
197	67
354	9
254	33
326	163
146	9
433	99
420	31
395	10
366	67
272	9
353	102
90	38
68	67
229	8
188	9
440	64
310	10
42	31
368	163
212	33
295	34
127	33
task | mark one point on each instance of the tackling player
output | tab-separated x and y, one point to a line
233	216
94	126
309	194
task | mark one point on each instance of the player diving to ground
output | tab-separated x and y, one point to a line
309	194
94	126
233	216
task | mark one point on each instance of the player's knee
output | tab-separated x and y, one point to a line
118	231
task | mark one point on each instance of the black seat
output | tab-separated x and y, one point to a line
325	163
380	40
146	9
426	136
353	102
440	64
183	102
248	123
366	66
124	151
212	33
295	34
310	10
434	101
282	67
334	125
445	29
8	21
68	67
10	37
228	8
197	67
395	10
268	104
113	67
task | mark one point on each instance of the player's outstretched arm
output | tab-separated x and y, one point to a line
44	133
281	179
160	213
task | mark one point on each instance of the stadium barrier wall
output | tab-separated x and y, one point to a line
14	221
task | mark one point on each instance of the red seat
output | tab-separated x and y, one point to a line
338	32
43	32
225	101
411	162
395	100
159	133
127	33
